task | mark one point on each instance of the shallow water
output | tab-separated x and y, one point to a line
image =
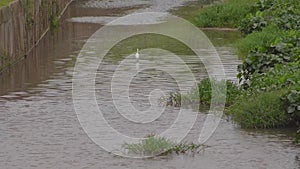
39	127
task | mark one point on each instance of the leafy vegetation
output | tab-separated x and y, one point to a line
281	51
269	22
284	13
154	145
252	23
270	70
276	78
291	101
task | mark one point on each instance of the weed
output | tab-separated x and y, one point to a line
202	94
154	145
54	24
223	14
259	39
263	110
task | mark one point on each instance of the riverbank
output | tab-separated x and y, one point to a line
269	95
23	23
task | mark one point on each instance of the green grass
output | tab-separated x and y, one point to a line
218	38
202	94
5	2
262	110
259	39
154	145
190	9
150	146
227	14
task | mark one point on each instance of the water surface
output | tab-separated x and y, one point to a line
39	127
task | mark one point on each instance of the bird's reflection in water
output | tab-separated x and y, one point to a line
137	57
137	66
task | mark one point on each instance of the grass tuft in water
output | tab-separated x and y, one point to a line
262	110
154	145
201	94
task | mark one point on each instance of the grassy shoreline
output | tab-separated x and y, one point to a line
269	96
223	14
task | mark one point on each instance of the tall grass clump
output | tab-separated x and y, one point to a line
201	94
224	14
150	146
263	110
154	145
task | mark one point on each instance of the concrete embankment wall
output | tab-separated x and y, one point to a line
23	23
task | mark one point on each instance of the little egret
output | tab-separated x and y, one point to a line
137	55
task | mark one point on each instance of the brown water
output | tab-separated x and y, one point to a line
39	127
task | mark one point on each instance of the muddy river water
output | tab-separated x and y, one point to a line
40	129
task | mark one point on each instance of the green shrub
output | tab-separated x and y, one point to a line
280	76
278	16
223	14
281	51
292	104
284	13
252	23
263	110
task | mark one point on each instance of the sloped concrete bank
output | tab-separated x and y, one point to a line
23	23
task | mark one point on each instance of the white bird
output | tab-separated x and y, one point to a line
137	55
